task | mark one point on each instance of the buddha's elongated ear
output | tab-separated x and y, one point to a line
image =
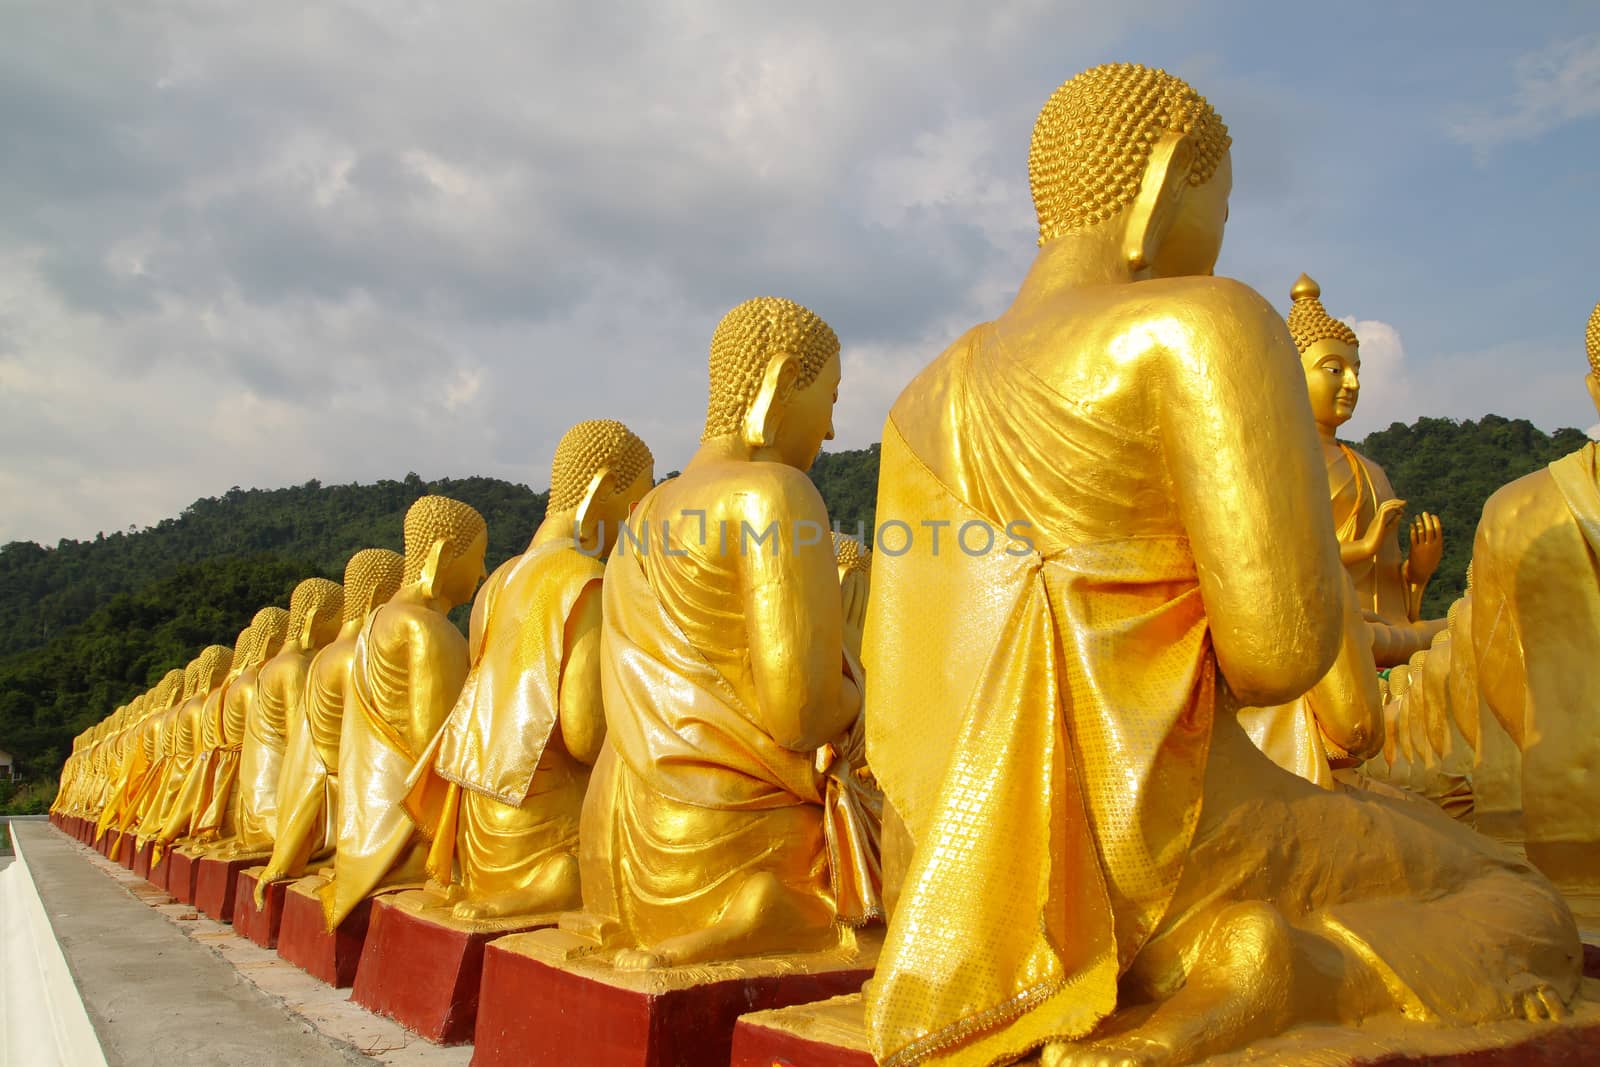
1592	380
431	567
586	521
1152	211
766	410
308	627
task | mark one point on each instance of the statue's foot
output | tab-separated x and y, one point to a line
1241	988
554	887
763	918
1536	1000
1126	1051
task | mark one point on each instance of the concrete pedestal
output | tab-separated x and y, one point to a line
181	879
545	1003
260	925
141	855
422	967
216	883
306	943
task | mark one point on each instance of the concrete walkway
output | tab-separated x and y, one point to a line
157	996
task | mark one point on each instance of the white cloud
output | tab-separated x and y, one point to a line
1553	86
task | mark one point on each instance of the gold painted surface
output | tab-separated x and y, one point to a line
1105	864
1536	624
719	822
408	666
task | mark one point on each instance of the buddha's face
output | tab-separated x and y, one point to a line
458	579
808	417
1194	241
1333	380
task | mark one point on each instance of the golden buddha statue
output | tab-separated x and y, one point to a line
137	816
308	790
118	767
1365	510
210	757
176	762
1140	430
316	611
212	666
1536	636
713	827
516	750
409	663
217	825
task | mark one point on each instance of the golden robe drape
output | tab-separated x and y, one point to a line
1067	679
690	797
518	797
408	667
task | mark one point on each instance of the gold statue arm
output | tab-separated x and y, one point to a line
1427	547
793	615
1253	504
583	717
1389	512
1346	701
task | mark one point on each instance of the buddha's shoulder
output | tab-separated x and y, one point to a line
1520	512
1188	316
736	487
397	623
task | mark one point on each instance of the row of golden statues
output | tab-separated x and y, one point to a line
1042	769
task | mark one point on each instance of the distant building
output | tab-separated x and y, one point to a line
6	766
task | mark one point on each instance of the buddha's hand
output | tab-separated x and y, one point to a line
1427	546
1389	513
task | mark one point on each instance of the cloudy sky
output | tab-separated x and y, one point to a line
253	244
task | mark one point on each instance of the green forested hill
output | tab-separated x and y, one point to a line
87	624
1450	468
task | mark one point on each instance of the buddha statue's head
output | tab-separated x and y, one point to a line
271	628
243	650
850	555
600	471
316	611
1136	157
1329	354
170	689
1592	342
214	663
445	544
774	380
191	680
371	577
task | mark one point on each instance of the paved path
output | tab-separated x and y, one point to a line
165	988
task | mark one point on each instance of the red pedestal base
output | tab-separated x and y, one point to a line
215	884
422	968
829	1033
181	879
160	869
304	942
141	856
107	844
587	1012
260	925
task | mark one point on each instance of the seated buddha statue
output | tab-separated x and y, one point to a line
1144	428
212	665
316	611
516	750
308	787
217	825
116	767
1365	510
1536	636
138	813
407	669
712	829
